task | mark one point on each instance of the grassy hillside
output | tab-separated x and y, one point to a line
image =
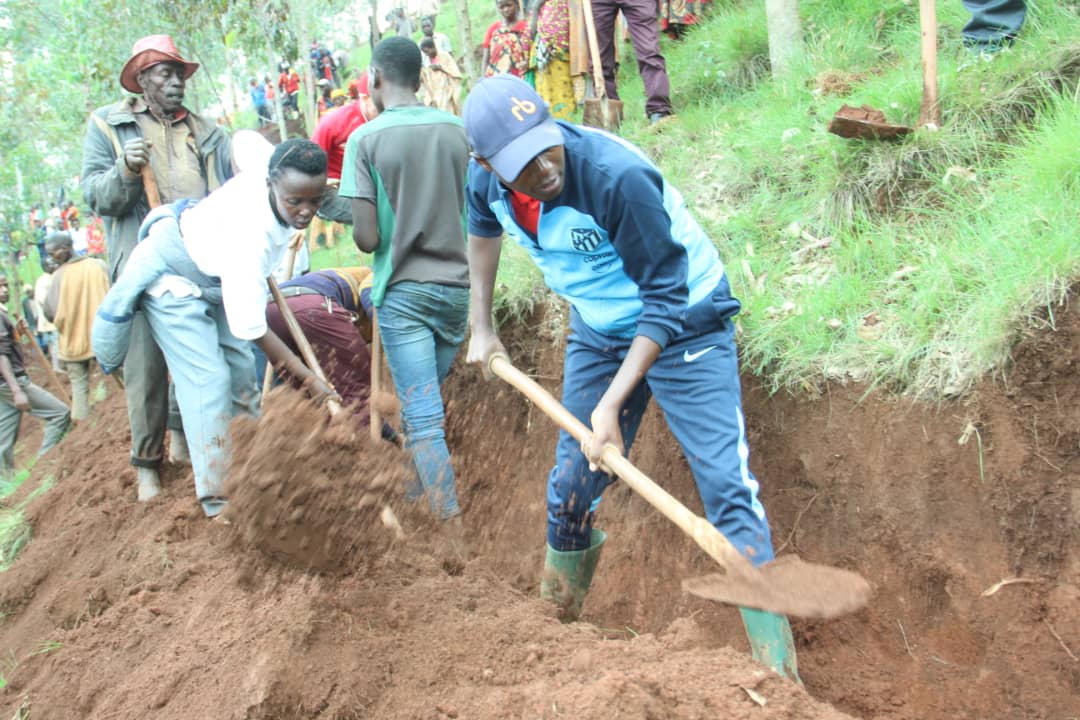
913	263
909	264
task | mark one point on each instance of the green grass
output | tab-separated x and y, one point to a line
343	254
10	482
45	647
14	534
937	248
15	531
7	667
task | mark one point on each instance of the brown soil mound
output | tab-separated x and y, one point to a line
314	492
124	610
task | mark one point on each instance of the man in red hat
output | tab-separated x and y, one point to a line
145	150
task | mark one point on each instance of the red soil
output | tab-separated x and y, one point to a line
123	610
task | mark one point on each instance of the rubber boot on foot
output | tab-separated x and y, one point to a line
451	548
568	575
771	642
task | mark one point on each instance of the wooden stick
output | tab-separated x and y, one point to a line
594	49
40	354
306	352
150	186
707	537
930	112
268	376
374	414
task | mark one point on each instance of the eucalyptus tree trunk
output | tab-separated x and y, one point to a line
374	36
309	96
465	38
785	35
279	107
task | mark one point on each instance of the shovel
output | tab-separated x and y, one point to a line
601	111
389	519
787	586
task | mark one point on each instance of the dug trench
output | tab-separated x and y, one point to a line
964	515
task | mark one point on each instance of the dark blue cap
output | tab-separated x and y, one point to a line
508	124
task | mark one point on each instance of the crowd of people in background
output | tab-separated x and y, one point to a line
542	41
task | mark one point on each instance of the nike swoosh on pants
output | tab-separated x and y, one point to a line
689	357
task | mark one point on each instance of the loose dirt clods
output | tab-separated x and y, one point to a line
150	610
313	491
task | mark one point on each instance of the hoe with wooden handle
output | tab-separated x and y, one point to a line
788	585
268	375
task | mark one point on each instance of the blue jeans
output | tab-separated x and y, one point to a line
214	375
213	370
696	382
422	326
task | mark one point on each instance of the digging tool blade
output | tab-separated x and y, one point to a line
600	111
788	586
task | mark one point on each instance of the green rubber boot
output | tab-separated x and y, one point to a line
771	642
567	576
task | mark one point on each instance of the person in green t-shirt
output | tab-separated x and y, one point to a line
405	172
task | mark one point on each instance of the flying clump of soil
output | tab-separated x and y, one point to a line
314	491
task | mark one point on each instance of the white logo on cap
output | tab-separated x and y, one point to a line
520	106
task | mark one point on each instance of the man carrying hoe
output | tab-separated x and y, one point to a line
187	156
651	314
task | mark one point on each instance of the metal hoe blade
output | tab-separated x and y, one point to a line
788	586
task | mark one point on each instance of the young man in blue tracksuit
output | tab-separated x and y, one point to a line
651	315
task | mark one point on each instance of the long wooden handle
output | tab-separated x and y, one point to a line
374	414
300	339
268	376
707	537
594	49
930	113
150	186
40	354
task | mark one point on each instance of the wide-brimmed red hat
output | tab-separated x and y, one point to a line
149	51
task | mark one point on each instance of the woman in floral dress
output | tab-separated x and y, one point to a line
506	45
555	26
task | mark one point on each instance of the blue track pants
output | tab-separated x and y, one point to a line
696	382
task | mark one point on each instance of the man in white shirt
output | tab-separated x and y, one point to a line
79	239
200	275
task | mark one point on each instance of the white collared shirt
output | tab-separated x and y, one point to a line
233	234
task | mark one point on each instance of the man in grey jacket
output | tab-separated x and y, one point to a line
140	152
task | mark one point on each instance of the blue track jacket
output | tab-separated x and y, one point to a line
618	243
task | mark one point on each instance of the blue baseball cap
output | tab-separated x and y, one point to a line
508	124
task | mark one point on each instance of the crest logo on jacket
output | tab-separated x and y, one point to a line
585	240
